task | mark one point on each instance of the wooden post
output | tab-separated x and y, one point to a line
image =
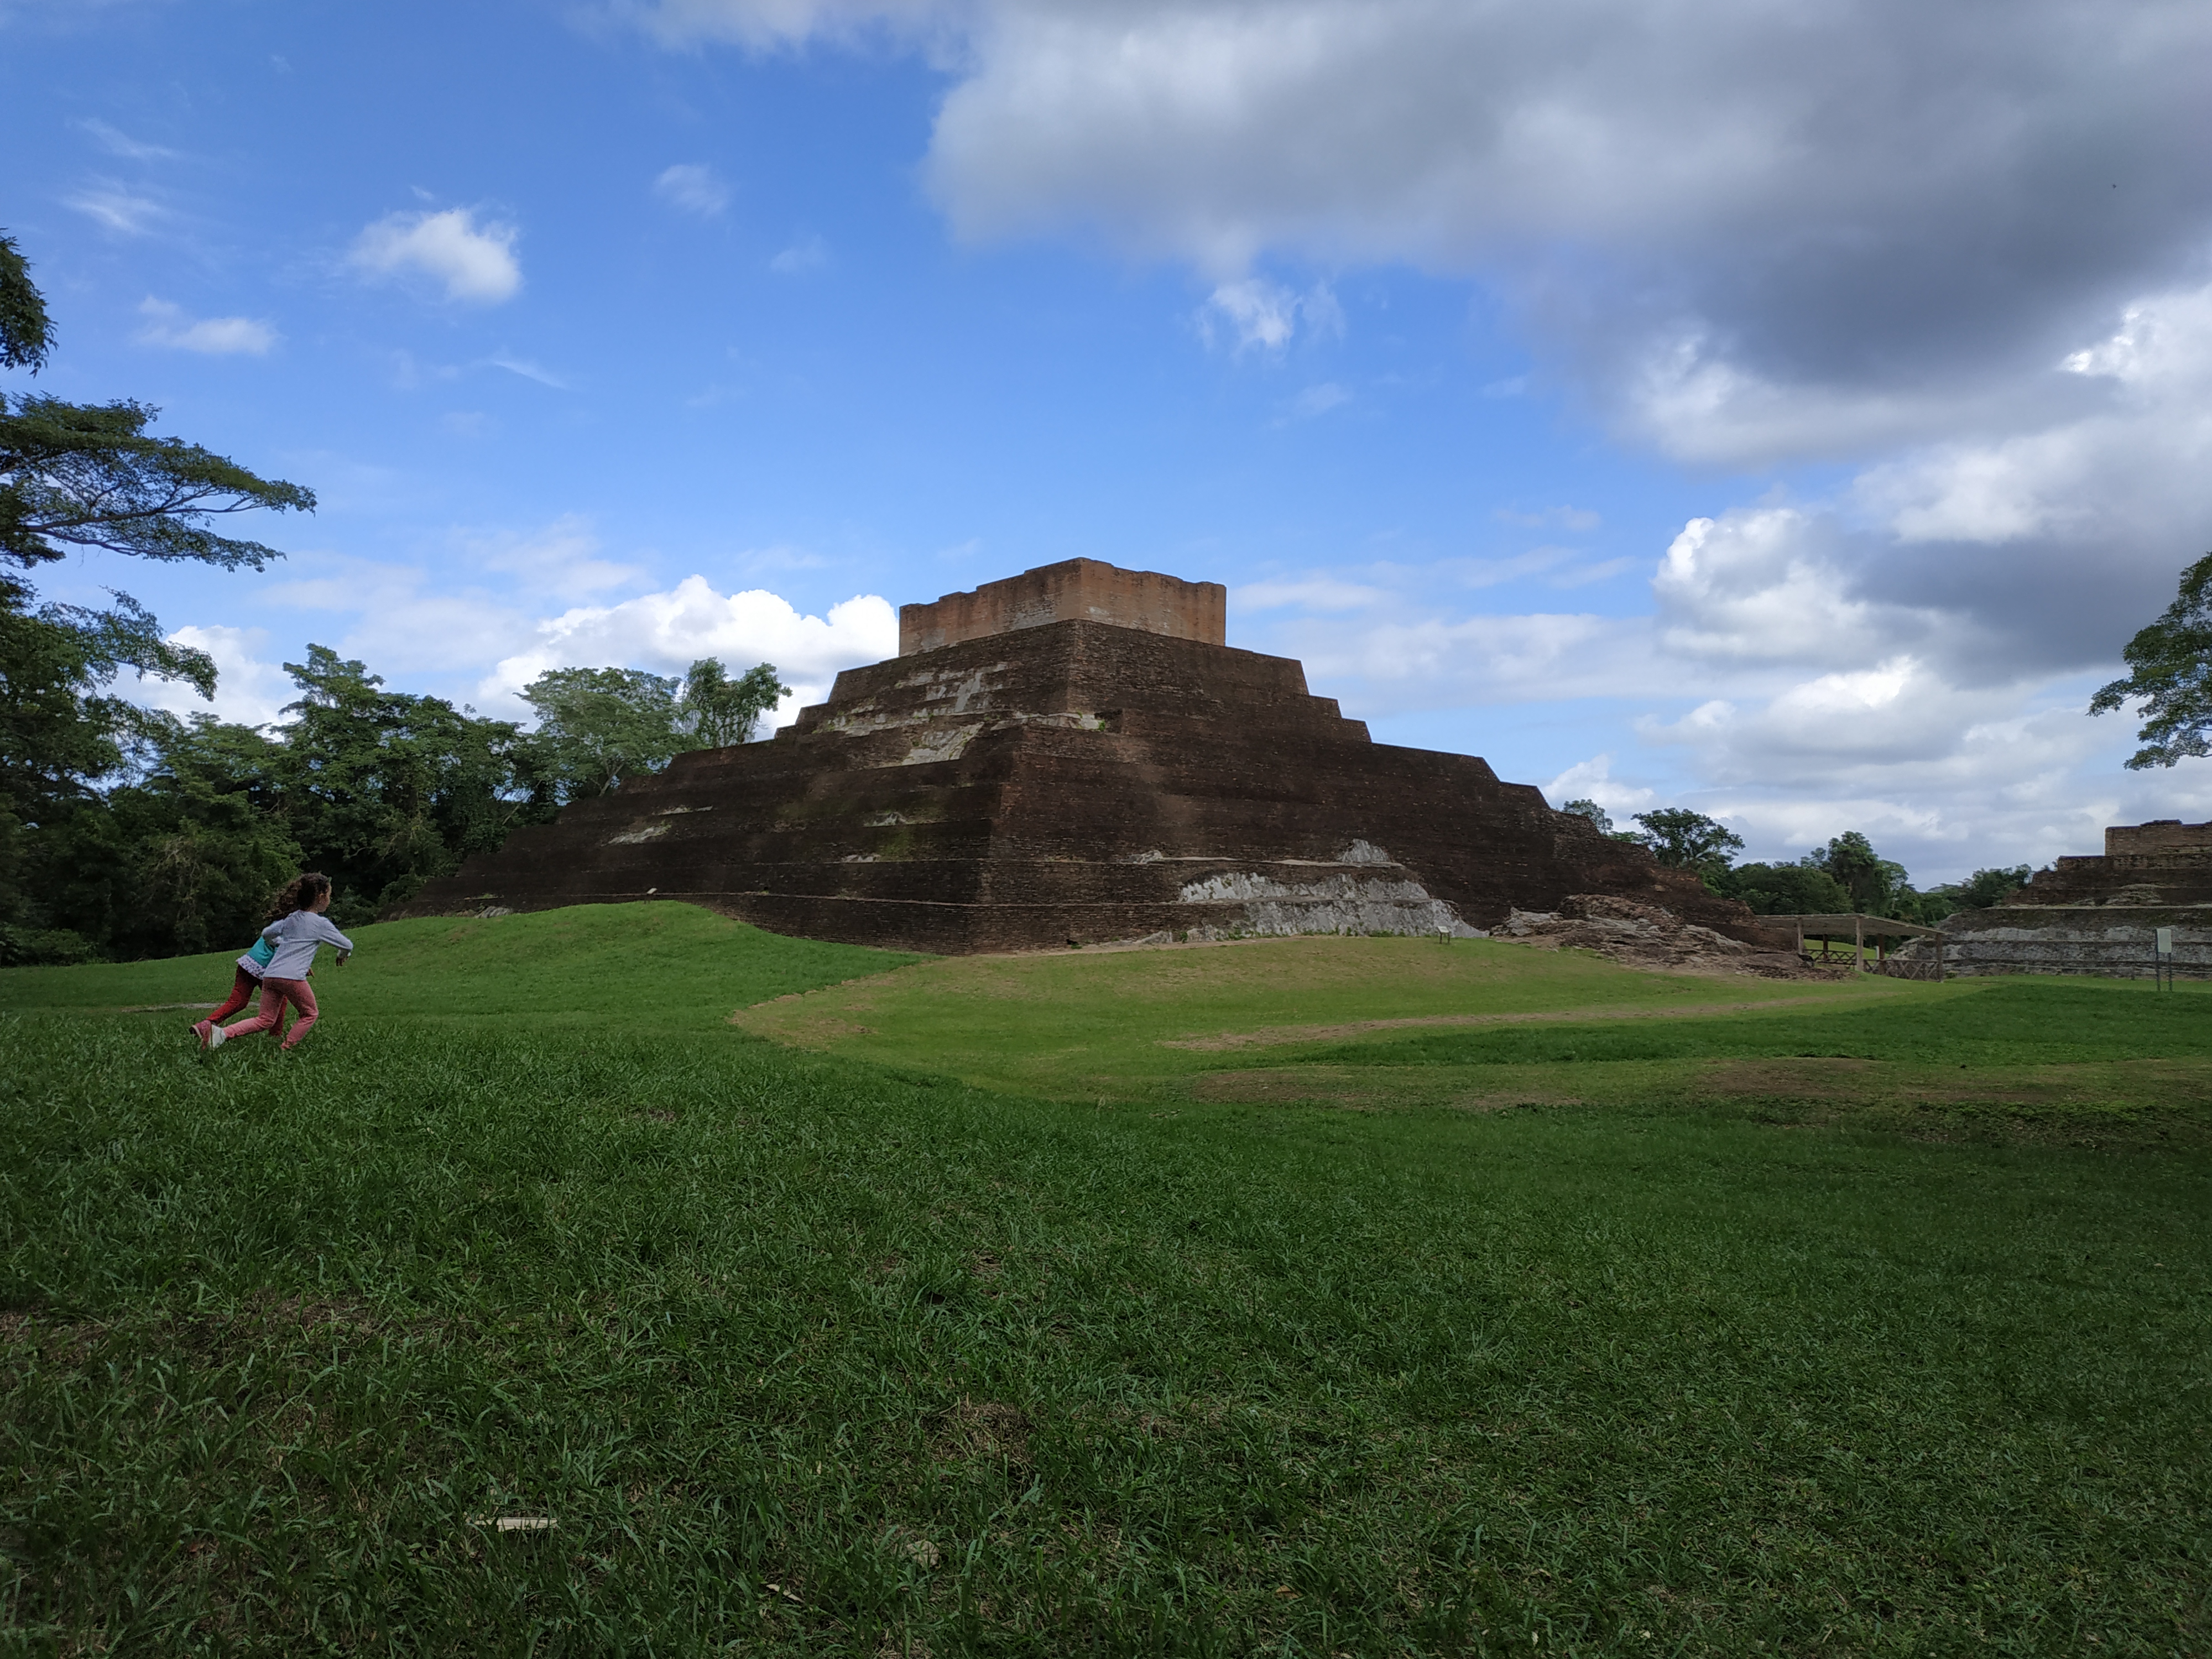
1858	943
1801	936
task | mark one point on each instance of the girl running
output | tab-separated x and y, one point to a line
295	936
245	982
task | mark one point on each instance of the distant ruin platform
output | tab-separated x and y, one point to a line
1094	765
2165	861
2100	915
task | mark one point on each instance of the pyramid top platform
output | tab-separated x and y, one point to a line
1074	590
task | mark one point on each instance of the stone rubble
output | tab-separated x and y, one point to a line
1639	935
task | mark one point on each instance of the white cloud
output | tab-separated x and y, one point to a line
527	370
1322	594
168	325
248	690
1593	779
1317	400
474	263
668	631
809	253
694	187
1264	315
763	25
119	209
1550	518
560	559
1744	230
118	143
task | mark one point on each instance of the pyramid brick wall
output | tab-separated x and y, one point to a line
1074	780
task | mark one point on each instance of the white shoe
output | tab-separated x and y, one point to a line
217	1037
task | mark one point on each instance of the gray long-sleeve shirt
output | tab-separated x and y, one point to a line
295	937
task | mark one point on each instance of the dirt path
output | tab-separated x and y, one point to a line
1269	1036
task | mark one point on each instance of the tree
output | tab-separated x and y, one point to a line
75	476
1987	887
715	711
597	726
25	336
1871	881
1589	809
1783	889
385	790
87	474
2170	671
1683	839
59	735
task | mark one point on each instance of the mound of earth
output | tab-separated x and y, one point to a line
1640	935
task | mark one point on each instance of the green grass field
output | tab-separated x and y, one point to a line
1059	1305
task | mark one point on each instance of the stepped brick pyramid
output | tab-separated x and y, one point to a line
1074	756
2093	914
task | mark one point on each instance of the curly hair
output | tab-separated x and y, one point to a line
303	890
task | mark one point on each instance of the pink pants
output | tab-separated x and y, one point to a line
244	987
275	993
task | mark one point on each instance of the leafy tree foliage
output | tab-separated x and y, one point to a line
1683	839
25	336
75	476
1978	891
87	475
1587	808
715	711
597	726
153	835
389	790
197	822
60	732
1783	889
2170	673
1870	879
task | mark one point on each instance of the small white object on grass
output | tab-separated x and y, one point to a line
525	1523
217	1037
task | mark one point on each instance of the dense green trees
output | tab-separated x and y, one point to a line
75	476
1847	874
597	726
173	839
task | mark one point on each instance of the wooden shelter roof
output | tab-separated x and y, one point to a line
1848	924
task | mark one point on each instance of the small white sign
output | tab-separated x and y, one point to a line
2165	936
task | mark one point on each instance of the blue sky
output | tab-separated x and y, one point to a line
1677	412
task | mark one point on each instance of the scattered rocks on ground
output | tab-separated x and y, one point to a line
1642	935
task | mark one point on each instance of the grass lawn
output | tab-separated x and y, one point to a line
1008	1325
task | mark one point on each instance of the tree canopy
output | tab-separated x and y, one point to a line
88	475
2170	673
73	476
1685	839
716	711
25	336
1845	874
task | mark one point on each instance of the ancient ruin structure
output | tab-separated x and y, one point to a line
1074	756
2100	915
